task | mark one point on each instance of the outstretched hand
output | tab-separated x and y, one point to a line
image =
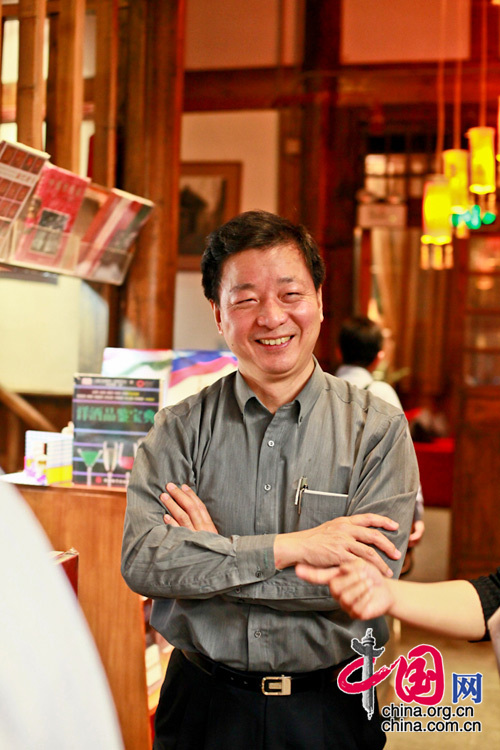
359	587
186	509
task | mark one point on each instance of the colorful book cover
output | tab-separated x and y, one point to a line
95	207
51	214
111	417
112	264
183	371
107	240
20	168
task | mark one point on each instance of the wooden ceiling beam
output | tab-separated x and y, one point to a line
358	86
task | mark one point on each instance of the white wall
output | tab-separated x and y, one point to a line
252	139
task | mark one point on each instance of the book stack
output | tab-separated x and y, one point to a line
48	456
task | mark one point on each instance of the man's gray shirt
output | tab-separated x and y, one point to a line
220	594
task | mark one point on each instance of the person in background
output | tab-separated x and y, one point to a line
53	690
275	464
457	609
361	347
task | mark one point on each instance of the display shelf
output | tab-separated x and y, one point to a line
91	520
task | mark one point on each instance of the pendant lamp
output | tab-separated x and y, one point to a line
436	211
482	160
456	170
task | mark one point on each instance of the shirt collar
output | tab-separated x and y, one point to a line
305	399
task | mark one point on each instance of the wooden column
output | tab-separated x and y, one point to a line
105	118
329	169
65	86
30	86
105	93
152	138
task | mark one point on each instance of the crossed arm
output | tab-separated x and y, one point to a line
339	540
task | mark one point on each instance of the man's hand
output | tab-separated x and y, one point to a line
337	541
361	590
416	534
186	509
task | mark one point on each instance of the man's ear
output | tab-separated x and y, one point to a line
320	302
216	311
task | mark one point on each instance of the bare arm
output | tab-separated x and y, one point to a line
450	608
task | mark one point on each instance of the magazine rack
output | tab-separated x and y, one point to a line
53	220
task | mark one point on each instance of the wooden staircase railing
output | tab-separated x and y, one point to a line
19	412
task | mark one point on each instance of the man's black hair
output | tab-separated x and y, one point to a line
256	230
360	341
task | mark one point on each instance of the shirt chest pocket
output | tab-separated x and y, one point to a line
318	507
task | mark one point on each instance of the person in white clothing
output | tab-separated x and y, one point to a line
53	689
361	343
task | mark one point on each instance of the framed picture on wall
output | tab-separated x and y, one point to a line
209	196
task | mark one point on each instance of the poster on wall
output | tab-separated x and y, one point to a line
111	417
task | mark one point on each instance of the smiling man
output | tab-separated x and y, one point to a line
274	465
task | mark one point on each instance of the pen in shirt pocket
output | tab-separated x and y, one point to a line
303	489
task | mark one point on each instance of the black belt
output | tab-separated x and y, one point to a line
260	682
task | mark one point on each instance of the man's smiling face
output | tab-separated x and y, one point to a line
270	314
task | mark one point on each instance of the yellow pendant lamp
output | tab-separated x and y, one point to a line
482	160
456	170
436	211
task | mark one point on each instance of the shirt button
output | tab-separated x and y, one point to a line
270	443
267	487
257	634
237	590
258	573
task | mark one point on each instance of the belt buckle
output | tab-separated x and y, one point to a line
277	685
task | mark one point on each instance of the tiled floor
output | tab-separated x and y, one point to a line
431	560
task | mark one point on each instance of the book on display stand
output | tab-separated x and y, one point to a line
20	168
111	417
50	215
54	220
116	218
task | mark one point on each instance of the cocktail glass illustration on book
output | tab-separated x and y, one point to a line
126	458
111	454
90	456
